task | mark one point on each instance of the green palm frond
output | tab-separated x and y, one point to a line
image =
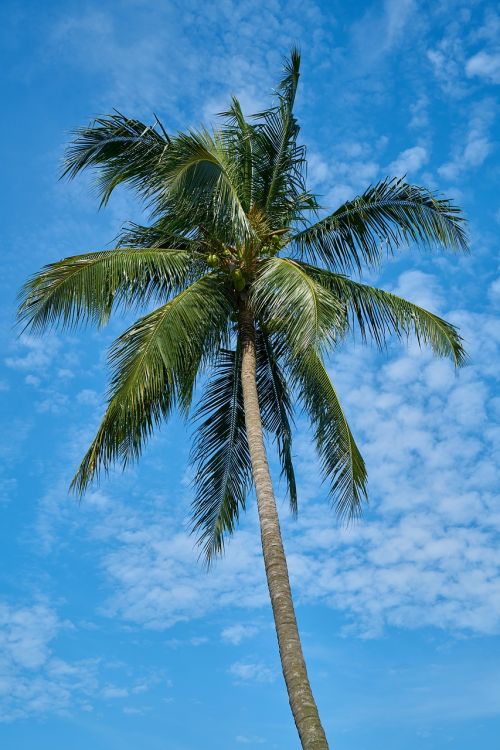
276	408
379	314
203	181
155	364
341	462
281	160
388	215
167	231
284	295
221	456
85	288
124	150
238	136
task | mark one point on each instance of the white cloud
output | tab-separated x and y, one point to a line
26	633
421	288
447	57
477	144
32	680
235	634
251	672
419	113
485	65
254	38
378	33
409	161
112	691
87	397
494	292
39	353
254	740
36	682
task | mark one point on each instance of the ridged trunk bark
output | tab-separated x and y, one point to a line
302	703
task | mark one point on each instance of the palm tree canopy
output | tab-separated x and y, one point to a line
233	225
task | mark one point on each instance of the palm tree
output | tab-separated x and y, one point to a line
251	288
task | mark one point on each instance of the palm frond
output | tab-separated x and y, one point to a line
167	231
388	215
122	149
276	408
85	288
204	182
155	364
238	136
379	314
286	296
341	462
281	160
221	456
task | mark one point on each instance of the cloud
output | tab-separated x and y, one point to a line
112	691
421	288
409	161
447	56
251	672
485	65
254	740
477	144
235	634
39	353
378	33
32	680
253	38
494	292
36	682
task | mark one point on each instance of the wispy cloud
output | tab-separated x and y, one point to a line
251	672
476	144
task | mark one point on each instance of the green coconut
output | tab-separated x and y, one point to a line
239	280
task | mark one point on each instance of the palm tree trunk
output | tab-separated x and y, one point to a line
302	703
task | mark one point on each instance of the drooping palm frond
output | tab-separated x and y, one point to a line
388	215
155	365
221	456
276	408
123	149
341	462
85	288
289	297
379	314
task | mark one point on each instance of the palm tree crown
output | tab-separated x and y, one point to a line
235	239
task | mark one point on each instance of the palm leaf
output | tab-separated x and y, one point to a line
221	456
276	408
379	313
155	364
238	136
388	215
123	149
341	462
85	288
202	179
286	296
281	161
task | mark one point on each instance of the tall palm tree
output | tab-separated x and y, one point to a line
252	288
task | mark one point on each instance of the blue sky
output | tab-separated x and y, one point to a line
111	633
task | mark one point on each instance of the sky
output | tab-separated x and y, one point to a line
112	634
